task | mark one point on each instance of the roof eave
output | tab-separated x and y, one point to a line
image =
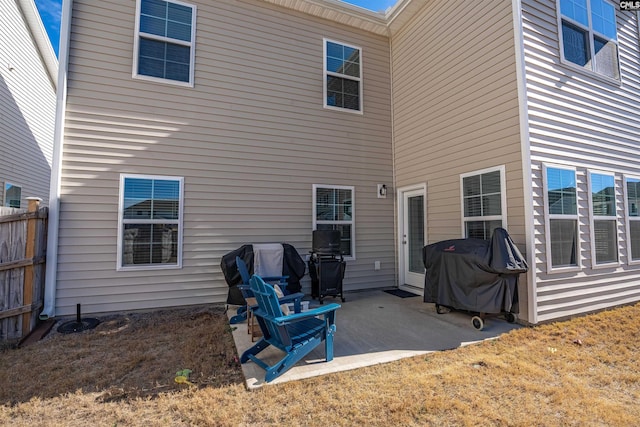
40	38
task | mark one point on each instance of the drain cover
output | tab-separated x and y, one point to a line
75	326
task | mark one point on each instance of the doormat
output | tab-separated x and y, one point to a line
400	293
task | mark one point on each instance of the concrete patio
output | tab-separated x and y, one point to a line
375	327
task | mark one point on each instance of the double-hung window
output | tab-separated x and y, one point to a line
632	200
165	41
588	35
604	223
483	202
562	217
150	222
12	195
342	76
333	209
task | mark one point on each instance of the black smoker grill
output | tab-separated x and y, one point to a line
475	275
326	265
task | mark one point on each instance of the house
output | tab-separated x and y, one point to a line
259	121
28	79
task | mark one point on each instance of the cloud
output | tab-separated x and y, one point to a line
51	8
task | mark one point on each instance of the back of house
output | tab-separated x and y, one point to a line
193	128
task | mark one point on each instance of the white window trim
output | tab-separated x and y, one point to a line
503	199
548	217
352	222
326	73
587	71
191	44
593	218
178	265
628	219
4	193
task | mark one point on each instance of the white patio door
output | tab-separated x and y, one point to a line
412	240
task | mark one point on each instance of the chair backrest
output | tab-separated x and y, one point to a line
269	307
243	270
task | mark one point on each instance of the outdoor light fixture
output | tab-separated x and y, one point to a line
382	191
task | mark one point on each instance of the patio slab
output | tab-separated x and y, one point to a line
375	327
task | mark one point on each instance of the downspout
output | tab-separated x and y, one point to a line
396	220
525	147
56	166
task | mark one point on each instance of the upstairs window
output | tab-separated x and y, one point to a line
164	42
150	222
333	210
604	223
561	217
589	37
483	204
342	76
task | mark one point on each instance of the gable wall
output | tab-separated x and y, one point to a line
250	140
580	121
27	109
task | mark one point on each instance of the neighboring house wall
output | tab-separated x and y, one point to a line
581	121
27	102
455	106
250	139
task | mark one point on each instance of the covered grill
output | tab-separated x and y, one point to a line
475	275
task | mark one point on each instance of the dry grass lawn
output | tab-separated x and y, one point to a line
582	372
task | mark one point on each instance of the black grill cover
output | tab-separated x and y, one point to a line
474	274
292	265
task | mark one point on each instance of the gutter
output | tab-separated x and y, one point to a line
56	167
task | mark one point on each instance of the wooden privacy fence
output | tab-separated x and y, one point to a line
23	244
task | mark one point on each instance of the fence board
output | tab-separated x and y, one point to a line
19	305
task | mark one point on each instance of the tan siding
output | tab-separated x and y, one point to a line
250	139
585	122
27	109
456	109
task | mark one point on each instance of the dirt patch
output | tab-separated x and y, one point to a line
128	355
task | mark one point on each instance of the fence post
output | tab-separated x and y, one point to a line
27	291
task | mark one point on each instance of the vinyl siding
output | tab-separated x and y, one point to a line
581	121
27	109
456	110
250	140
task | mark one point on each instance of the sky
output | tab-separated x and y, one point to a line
51	10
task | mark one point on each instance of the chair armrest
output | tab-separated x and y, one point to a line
296	299
271	278
245	290
283	320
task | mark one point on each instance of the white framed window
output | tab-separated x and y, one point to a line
484	203
632	209
588	36
164	45
342	76
604	221
561	218
12	195
334	209
150	222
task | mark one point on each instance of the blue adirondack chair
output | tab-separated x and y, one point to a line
295	334
242	312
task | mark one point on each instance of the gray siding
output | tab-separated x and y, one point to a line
456	109
250	140
584	122
27	109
